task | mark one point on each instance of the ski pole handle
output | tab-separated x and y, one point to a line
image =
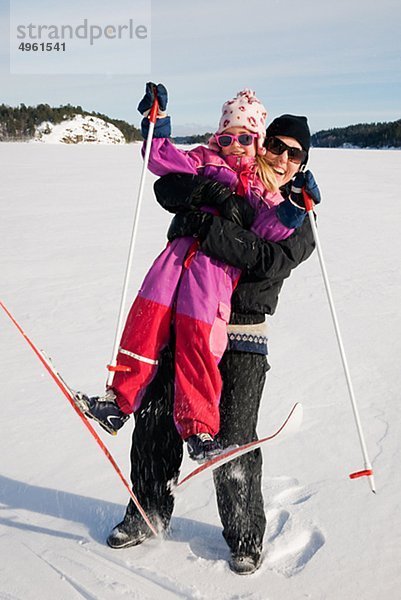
307	200
154	110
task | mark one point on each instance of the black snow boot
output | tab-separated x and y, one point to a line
133	530
245	564
130	532
203	447
103	409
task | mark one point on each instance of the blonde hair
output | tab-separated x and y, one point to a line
266	174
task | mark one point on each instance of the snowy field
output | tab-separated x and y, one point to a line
66	214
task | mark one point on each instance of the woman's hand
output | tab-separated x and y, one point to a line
291	212
306	181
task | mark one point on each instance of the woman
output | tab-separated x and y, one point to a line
156	452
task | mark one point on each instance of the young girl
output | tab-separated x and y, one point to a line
188	293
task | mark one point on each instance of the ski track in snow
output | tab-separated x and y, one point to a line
115	577
165	584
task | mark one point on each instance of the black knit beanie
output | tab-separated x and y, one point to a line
291	126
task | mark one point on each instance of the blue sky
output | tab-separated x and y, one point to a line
337	62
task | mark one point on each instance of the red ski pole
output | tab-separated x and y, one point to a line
367	471
70	397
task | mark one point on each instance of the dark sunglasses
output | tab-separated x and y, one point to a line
226	139
276	146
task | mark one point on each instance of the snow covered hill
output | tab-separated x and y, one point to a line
66	221
81	129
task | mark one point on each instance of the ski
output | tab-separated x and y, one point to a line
79	408
291	424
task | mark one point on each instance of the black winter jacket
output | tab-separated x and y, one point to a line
265	264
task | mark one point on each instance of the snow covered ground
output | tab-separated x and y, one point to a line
66	220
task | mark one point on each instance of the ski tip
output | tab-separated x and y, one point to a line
295	418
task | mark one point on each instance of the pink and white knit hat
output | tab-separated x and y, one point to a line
245	110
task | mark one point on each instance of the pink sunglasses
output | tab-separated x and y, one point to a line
226	139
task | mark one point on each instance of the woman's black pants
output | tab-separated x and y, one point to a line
157	449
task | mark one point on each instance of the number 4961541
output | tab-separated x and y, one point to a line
42	47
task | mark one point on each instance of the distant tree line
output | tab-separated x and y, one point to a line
193	139
363	135
19	123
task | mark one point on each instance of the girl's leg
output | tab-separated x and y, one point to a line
239	483
197	381
146	333
202	314
148	326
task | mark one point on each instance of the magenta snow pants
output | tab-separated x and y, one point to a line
190	293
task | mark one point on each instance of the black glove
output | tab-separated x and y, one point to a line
307	181
193	223
180	192
230	206
237	209
147	101
210	193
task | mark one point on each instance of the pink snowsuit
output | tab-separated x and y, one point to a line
191	293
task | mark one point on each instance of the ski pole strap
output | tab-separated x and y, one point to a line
118	368
364	473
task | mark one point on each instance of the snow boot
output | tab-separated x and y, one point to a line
245	564
104	410
203	447
130	532
133	530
